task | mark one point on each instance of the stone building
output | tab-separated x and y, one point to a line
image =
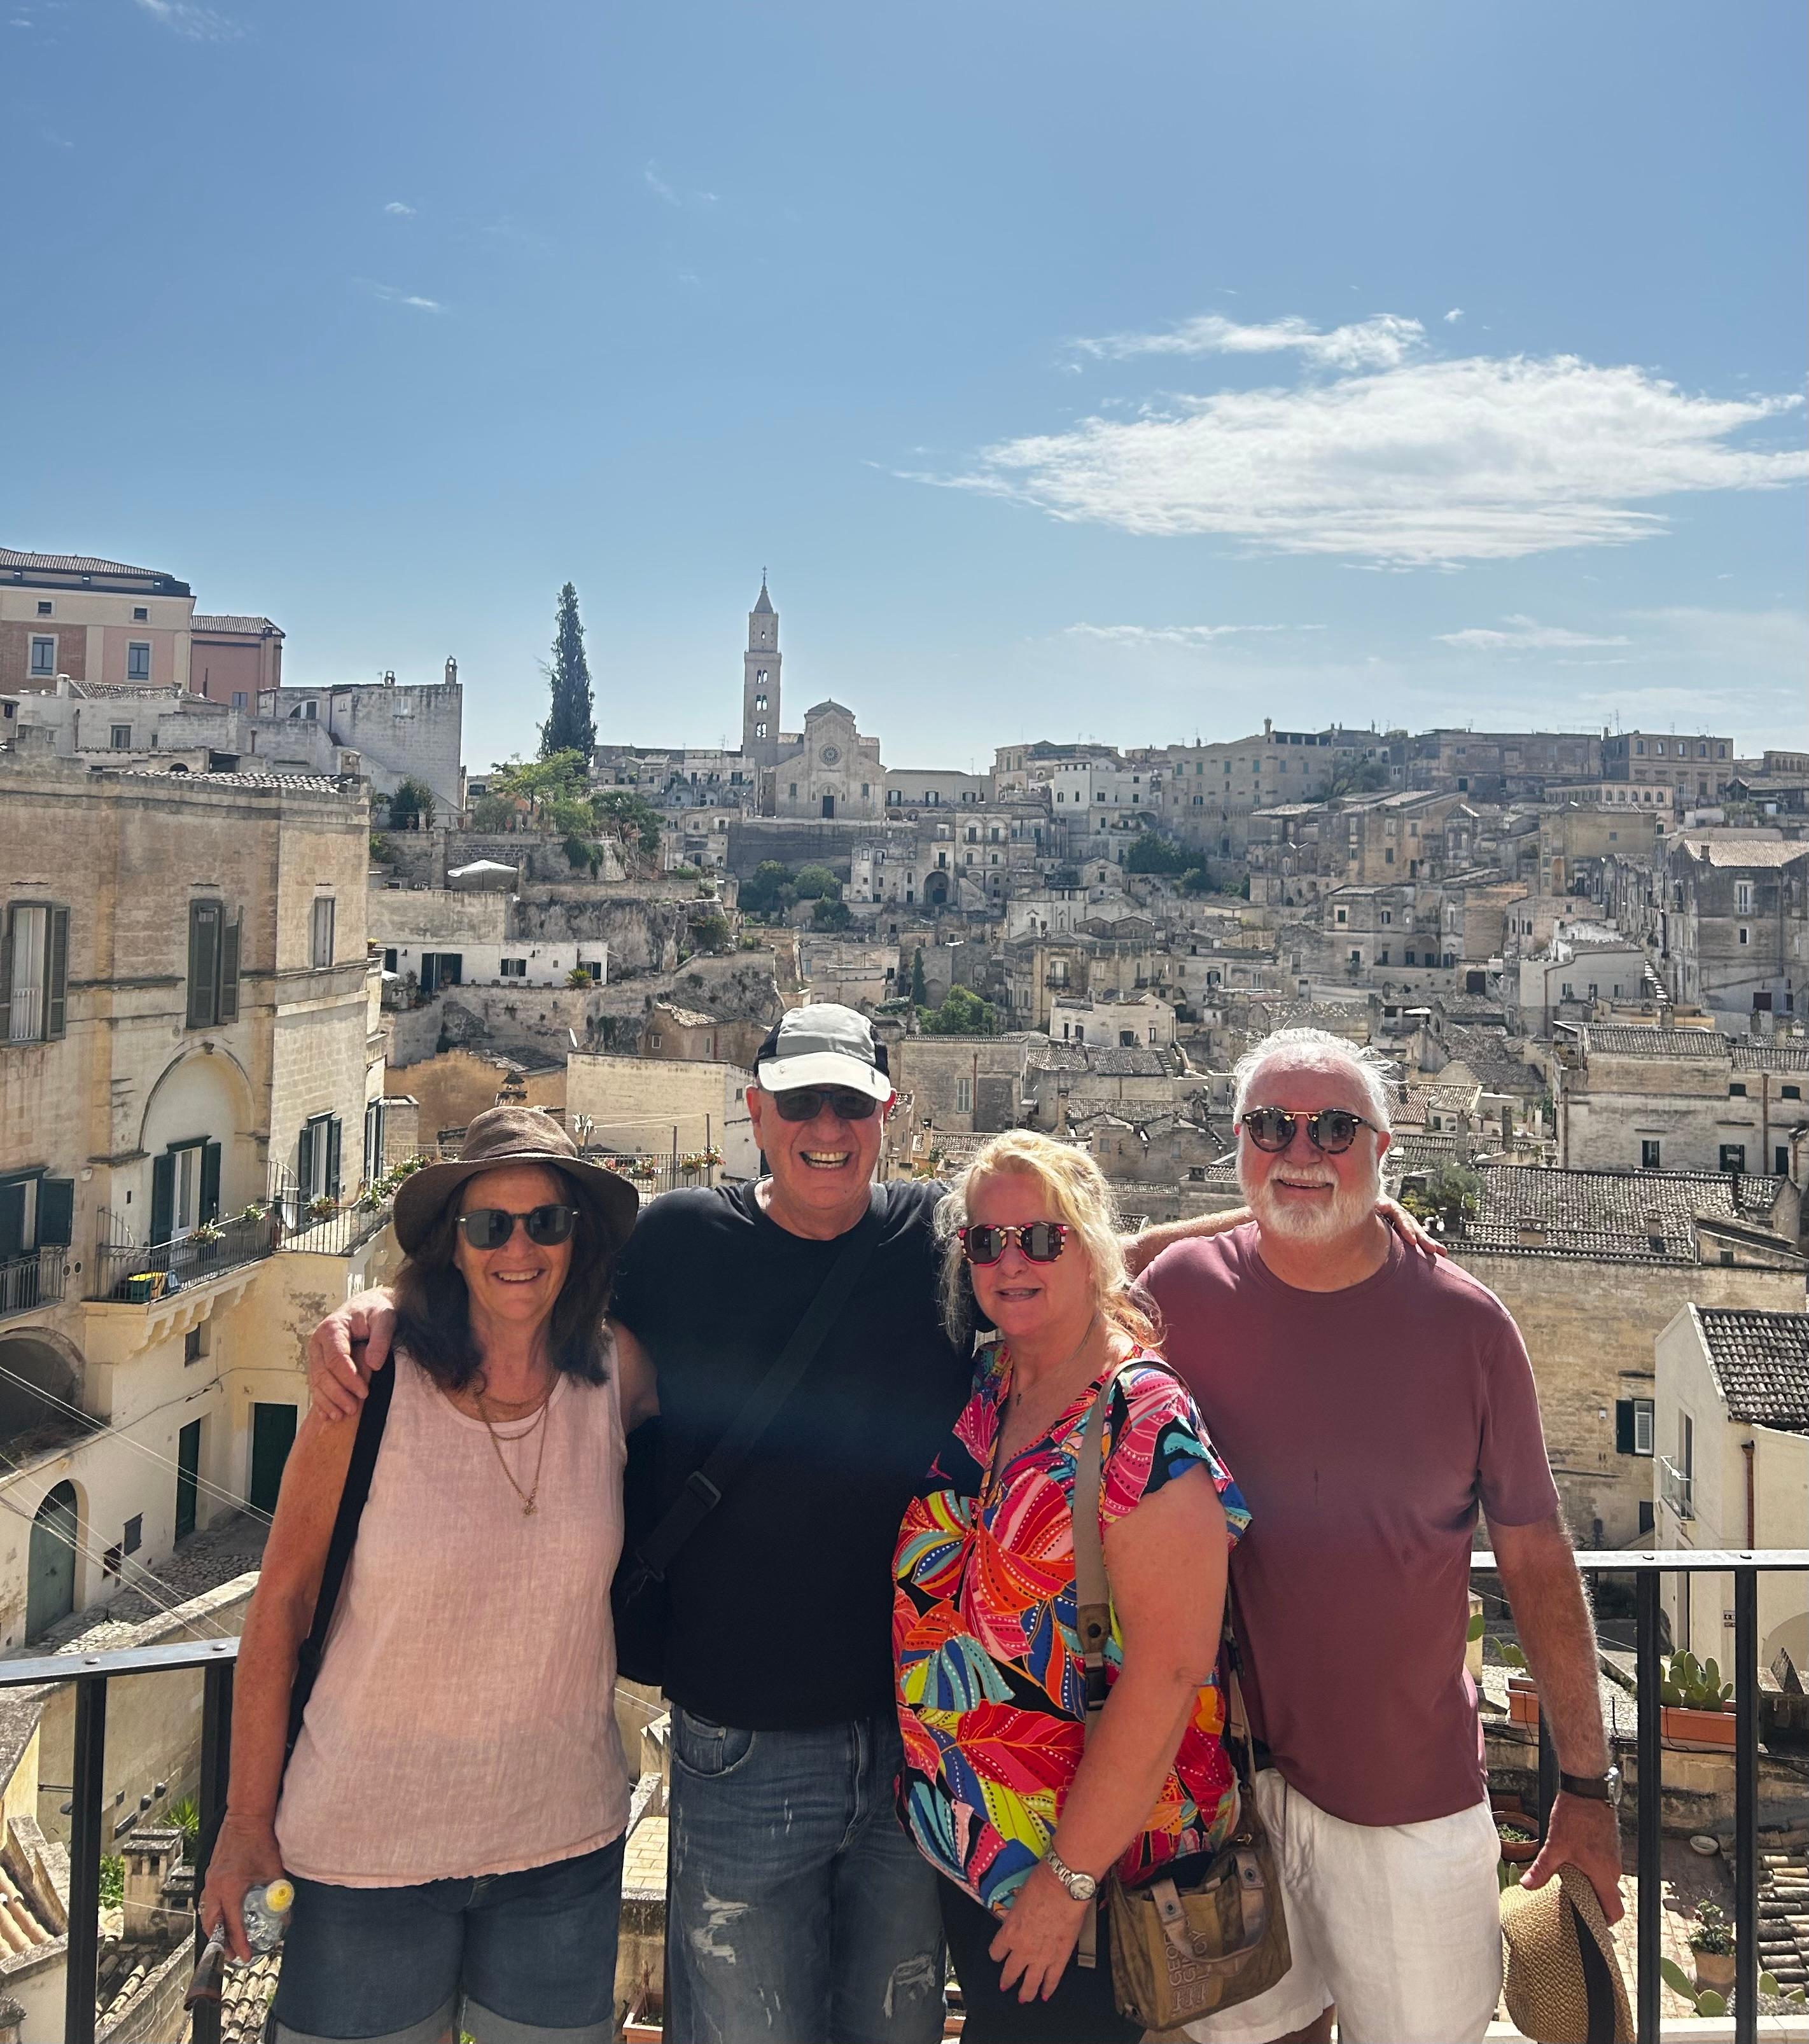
187	1034
762	741
1727	1431
834	773
1736	931
401	732
1696	765
1492	765
1593	1265
231	660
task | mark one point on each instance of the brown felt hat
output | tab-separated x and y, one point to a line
1564	1984
511	1136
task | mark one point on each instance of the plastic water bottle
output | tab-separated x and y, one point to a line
265	1911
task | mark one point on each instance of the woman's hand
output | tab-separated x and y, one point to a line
1038	1935
245	1855
1411	1230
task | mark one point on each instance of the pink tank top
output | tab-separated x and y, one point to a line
463	1722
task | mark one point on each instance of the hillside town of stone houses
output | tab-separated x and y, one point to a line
266	945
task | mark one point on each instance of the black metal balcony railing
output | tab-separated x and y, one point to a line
217	1658
139	1275
328	1230
28	1282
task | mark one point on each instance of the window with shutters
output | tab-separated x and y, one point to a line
213	947
34	973
318	1157
1634	1429
185	1188
320	952
36	1212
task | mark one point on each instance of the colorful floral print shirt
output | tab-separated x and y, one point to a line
991	1684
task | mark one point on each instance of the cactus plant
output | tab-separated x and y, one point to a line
1686	1683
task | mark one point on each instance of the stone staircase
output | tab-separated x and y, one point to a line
1784	1917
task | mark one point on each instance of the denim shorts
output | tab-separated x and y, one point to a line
516	1958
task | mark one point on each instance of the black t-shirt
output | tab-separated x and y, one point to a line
781	1602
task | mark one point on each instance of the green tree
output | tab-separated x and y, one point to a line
559	777
919	986
817	883
631	816
962	1014
1357	777
492	813
830	914
767	890
709	931
571	723
1151	854
411	806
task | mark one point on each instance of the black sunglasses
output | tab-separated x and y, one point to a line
1332	1130
489	1228
1041	1241
805	1103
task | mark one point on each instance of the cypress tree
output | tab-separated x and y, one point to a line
571	725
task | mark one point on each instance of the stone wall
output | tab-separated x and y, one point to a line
636	1104
1590	1327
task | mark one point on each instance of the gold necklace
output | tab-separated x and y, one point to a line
528	1498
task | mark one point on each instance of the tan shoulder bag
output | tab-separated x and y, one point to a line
1179	1952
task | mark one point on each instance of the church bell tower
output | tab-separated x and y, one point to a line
760	683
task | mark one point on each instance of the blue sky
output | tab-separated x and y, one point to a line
1131	371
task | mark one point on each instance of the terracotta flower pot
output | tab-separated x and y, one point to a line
1523	1700
1714	1969
1685	1727
1519	1852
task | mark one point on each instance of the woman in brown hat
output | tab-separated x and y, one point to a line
452	1814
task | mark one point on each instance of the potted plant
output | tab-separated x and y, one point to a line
1519	1843
1694	1702
1522	1691
1711	1941
322	1208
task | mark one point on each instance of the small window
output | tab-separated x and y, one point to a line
311	712
321	953
34	973
1792	1093
964	1096
1648	1155
515	969
138	660
43	660
1744	935
1743	897
1737	1090
140	613
122	738
239	699
194	1344
1733	1157
1633	1428
45	607
134	1537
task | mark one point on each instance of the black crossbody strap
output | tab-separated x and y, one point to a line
704	1487
372	1417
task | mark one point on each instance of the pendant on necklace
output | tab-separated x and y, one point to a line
528	1509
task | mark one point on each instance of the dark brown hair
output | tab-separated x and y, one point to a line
433	1307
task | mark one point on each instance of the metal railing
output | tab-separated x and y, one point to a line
1647	1569
28	1282
91	1672
1676	1487
335	1230
140	1276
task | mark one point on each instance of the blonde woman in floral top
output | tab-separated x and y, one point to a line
1021	1817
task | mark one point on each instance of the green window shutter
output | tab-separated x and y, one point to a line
55	1212
6	971
56	973
304	1163
209	1181
203	964
162	1197
230	939
1623	1427
332	1148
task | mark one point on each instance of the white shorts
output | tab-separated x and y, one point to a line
1398	1924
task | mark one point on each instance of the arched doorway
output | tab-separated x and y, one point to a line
52	1569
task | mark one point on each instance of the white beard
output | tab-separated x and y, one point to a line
1347	1209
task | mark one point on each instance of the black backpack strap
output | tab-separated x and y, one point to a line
372	1417
704	1487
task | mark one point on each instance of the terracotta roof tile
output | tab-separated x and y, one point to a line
1761	1362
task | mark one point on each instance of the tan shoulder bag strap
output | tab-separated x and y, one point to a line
1092	1594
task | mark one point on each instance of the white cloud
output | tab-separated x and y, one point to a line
657	185
1379	343
400	209
197	24
1175	635
1524	634
391	296
1453	317
1425	462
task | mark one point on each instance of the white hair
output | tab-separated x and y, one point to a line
1314	1050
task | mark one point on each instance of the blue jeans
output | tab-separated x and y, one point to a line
531	1956
798	1912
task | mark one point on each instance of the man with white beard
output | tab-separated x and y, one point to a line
1370	1400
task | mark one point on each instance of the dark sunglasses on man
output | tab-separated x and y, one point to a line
805	1103
1332	1130
490	1228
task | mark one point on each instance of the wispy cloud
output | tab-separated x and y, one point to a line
391	295
401	209
196	23
657	185
1453	317
1373	343
1524	634
1425	461
1175	635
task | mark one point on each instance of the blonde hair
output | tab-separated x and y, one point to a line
1079	1195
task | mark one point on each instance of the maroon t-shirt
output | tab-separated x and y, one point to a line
1364	1426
